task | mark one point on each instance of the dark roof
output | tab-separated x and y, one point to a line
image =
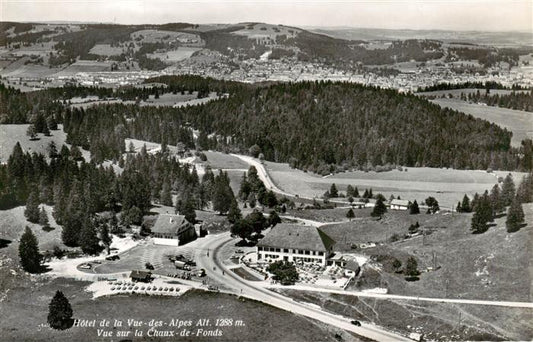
297	237
169	224
140	274
352	265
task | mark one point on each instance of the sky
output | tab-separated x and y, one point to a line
460	15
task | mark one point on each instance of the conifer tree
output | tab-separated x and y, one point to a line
333	192
30	258
32	207
495	200
189	210
508	190
234	213
88	239
350	214
515	216
349	191
524	193
105	237
465	205
414	209
60	312
355	192
379	208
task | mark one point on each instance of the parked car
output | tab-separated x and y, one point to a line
85	266
201	273
356	323
239	251
112	257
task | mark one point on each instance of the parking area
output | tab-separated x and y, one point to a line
158	259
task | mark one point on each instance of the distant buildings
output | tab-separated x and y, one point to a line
172	230
295	243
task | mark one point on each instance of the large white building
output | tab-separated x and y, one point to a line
295	243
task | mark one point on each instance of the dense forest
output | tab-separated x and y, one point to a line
322	127
318	126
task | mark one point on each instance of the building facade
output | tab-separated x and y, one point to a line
299	244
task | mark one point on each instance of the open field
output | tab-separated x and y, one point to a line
26	308
437	321
447	185
471	266
517	121
11	134
260	31
19	69
85	66
12	226
106	50
173	56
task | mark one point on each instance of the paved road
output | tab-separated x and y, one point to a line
248	289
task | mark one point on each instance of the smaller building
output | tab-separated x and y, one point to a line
351	269
172	230
143	276
289	242
398	204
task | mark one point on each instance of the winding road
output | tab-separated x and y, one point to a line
215	269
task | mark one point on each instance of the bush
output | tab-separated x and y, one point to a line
285	272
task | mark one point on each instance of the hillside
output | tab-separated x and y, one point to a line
155	47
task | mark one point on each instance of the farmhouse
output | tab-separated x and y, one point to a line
172	230
398	204
294	243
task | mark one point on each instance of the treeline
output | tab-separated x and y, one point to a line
470	85
513	100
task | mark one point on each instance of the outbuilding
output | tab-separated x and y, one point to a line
172	230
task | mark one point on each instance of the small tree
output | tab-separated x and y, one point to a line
379	208
479	223
31	132
255	150
411	268
465	205
333	192
350	214
30	258
396	264
60	312
273	219
43	218
515	216
414	209
433	204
